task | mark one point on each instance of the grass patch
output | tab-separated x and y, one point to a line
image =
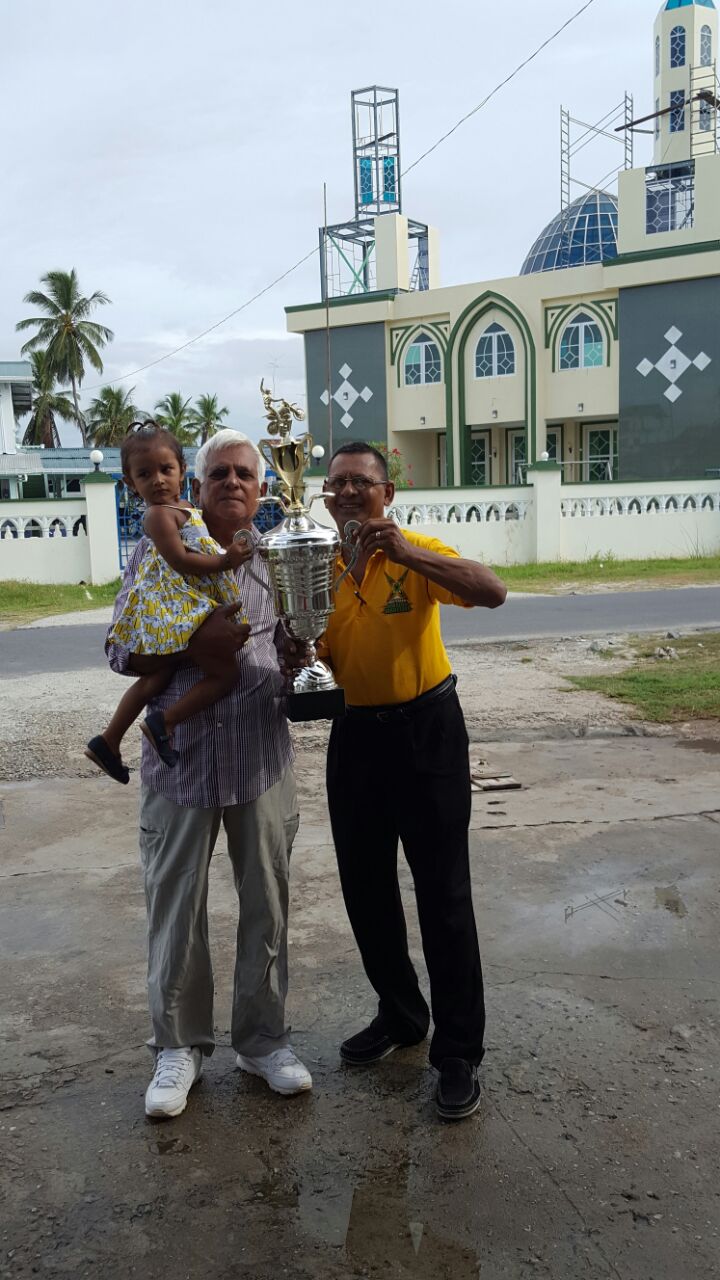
606	570
26	601
666	691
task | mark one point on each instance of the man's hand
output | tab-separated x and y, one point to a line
384	535
220	636
293	655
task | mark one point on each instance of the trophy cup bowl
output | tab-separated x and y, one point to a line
301	557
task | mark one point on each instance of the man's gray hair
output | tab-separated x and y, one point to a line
224	440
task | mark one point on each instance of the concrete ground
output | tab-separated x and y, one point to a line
595	1152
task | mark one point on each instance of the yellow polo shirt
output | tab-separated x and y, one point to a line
383	641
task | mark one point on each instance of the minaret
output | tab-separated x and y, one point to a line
685	53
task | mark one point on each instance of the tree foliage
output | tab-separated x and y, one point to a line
65	331
48	404
110	415
207	416
176	414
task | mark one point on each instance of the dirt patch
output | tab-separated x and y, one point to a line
506	690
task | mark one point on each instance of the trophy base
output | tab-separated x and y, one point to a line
318	704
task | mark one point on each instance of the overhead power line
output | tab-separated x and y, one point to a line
444	137
520	67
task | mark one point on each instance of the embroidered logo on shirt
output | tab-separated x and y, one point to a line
397	601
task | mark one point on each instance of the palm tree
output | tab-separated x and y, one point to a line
65	330
207	416
110	415
47	405
175	413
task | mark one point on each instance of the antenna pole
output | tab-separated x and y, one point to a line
328	365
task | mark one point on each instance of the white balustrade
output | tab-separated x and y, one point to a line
639	504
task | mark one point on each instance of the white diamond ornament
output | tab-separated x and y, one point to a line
346	395
673	364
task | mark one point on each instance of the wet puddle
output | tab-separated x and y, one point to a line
169	1147
710	745
670	899
378	1228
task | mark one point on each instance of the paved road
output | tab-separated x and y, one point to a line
533	616
48	649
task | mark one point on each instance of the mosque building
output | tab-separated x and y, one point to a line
603	353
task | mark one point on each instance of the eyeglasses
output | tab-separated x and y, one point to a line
361	483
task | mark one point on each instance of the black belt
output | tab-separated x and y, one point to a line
403	710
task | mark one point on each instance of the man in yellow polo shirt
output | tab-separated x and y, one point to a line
398	770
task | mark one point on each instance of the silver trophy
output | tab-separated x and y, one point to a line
301	556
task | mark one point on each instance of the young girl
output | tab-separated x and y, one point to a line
183	576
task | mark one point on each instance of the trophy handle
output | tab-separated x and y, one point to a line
244	535
351	544
264	446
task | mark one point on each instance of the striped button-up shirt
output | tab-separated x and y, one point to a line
240	747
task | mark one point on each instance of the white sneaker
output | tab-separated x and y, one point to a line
283	1071
176	1071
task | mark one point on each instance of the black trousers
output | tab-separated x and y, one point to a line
408	779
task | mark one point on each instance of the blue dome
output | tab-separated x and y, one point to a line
682	4
586	232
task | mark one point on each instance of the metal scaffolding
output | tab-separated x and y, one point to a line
347	249
577	135
704	110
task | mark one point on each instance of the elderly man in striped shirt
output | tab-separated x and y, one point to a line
234	769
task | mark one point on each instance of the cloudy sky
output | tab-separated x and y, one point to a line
174	153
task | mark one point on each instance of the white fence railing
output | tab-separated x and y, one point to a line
76	541
548	520
65	524
645	504
468	511
60	540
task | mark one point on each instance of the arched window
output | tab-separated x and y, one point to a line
657	56
581	346
495	353
422	362
677	47
706	49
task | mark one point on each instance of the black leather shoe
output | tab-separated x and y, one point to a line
458	1090
371	1045
155	730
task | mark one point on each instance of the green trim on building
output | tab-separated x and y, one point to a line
433	330
669	251
610	305
355	300
567	311
396	337
550	316
475	311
